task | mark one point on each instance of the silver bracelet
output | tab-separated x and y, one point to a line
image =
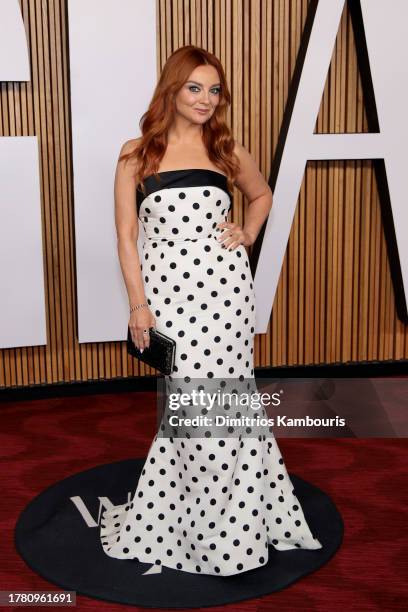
137	306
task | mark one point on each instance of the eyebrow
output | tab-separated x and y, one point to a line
197	83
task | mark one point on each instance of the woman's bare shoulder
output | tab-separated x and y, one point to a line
130	145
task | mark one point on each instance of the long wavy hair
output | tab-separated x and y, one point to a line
155	122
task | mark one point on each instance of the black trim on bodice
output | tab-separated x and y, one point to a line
189	177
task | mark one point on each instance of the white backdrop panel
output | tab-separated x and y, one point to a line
14	63
113	74
22	304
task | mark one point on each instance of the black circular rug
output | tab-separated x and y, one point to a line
57	535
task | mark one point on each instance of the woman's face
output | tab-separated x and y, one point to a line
197	99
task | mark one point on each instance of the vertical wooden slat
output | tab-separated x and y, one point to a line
335	299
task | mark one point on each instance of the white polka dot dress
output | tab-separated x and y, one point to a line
210	504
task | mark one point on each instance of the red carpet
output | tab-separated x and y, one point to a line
44	441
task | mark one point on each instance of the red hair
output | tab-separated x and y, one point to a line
156	121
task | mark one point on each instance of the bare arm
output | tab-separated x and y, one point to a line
252	184
127	229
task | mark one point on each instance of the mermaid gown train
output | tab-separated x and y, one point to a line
210	504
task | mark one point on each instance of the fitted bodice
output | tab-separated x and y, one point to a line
183	204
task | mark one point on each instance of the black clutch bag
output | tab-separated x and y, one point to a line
160	354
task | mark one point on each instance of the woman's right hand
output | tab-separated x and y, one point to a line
139	320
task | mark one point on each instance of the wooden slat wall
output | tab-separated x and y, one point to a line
335	300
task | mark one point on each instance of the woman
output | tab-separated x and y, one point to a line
214	504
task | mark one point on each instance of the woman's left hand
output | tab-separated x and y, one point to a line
233	236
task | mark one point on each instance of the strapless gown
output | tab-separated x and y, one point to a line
210	503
